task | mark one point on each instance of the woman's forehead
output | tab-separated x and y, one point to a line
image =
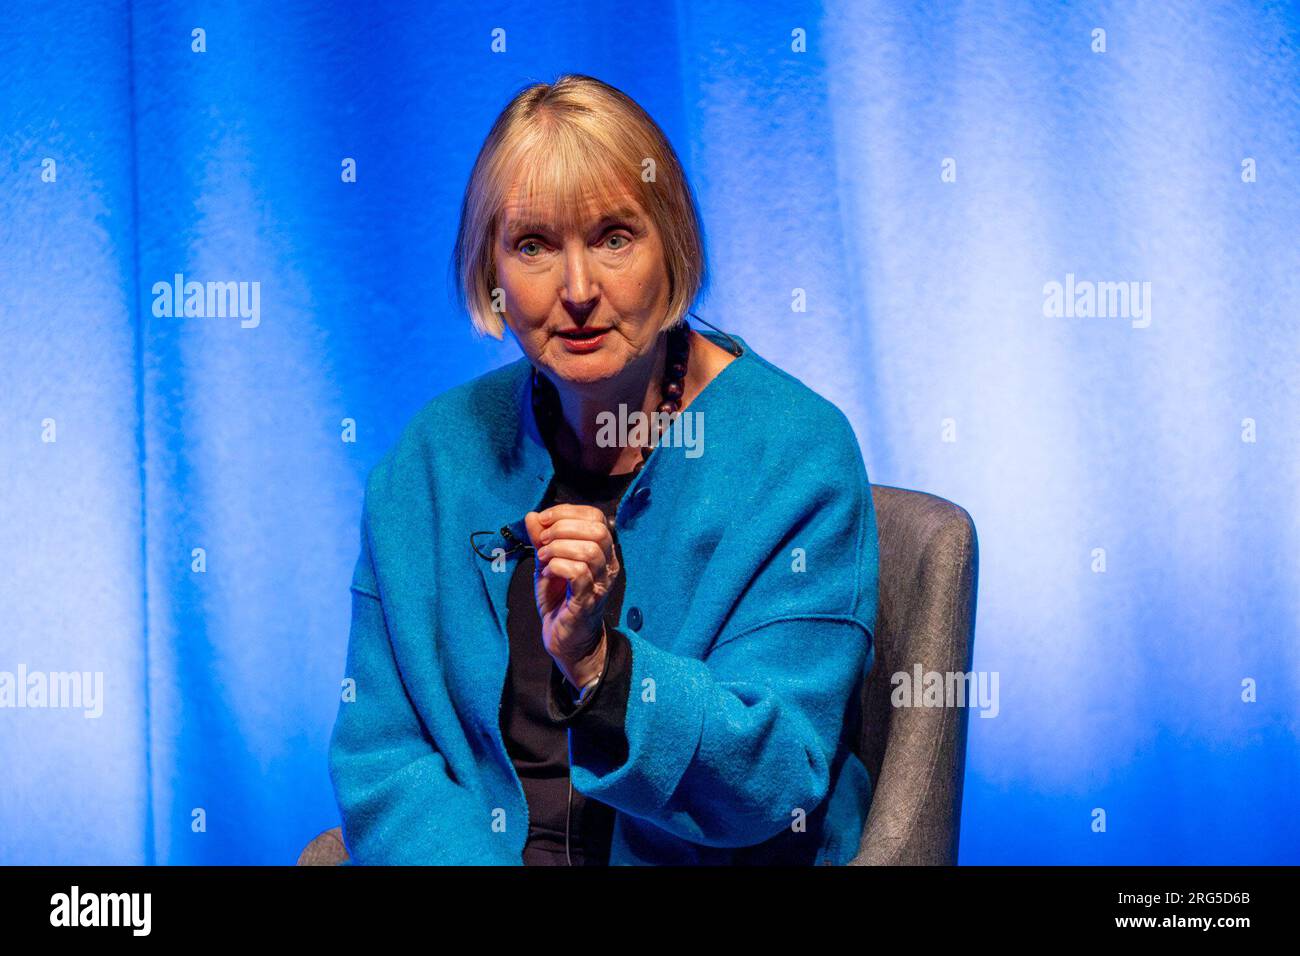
585	207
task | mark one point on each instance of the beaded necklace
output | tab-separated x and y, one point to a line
672	389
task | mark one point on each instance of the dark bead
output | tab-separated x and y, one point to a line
667	408
673	390
677	370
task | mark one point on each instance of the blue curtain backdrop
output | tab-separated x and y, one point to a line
921	173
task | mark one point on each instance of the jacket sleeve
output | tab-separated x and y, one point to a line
398	803
728	750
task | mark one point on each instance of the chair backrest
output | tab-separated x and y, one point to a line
929	573
929	570
327	849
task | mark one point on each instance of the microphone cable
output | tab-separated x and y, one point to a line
568	813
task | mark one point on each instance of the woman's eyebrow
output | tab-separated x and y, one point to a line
623	212
520	226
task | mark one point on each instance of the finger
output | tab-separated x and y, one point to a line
575	572
588	552
570	529
583	512
533	525
582	528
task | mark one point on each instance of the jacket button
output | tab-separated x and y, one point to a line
634	618
641	497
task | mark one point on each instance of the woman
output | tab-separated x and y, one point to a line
656	655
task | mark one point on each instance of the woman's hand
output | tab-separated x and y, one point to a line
576	570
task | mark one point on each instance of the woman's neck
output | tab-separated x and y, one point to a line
637	389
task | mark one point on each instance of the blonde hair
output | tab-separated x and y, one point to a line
564	144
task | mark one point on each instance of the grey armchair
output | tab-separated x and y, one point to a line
929	574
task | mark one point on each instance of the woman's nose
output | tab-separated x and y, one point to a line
578	284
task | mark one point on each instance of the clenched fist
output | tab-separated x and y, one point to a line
576	569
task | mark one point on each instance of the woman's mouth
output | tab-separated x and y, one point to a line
583	340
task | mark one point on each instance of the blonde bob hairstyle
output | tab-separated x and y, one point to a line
560	145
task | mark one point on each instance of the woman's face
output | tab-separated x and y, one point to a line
586	306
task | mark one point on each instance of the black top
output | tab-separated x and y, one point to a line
537	704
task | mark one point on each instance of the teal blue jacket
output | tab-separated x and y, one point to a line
749	607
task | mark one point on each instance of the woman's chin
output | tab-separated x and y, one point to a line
588	368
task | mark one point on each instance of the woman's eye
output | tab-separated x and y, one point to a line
524	246
621	238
